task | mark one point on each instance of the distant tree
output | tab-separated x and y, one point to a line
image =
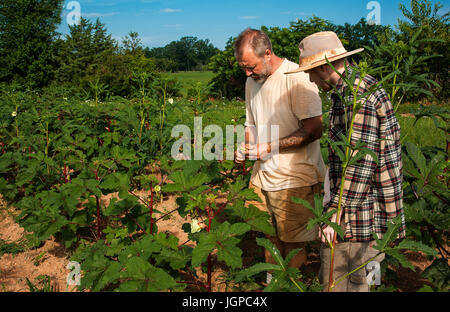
27	34
132	44
285	40
435	36
186	54
204	50
360	35
82	52
229	80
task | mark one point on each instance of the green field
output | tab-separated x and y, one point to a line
188	79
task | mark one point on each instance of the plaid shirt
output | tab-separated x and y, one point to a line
372	193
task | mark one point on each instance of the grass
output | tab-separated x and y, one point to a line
190	78
10	248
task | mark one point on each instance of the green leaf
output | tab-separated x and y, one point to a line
223	239
251	215
276	255
390	235
414	212
116	208
176	259
399	257
183	183
416	246
256	269
236	228
205	246
416	155
279	282
168	241
230	253
142	276
439	274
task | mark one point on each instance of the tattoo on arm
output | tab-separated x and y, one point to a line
310	131
298	138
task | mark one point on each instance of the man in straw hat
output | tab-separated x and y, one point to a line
372	192
291	104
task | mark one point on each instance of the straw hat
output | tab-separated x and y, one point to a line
314	49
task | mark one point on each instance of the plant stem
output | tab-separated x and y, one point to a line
358	268
151	209
97	199
296	285
98	216
341	190
46	148
65	174
209	281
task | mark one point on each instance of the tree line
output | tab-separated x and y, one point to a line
413	52
35	55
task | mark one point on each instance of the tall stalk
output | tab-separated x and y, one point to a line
341	189
152	221
349	151
97	201
162	113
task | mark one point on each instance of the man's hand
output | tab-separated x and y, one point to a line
252	152
327	233
239	154
258	151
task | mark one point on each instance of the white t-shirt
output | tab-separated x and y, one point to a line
283	101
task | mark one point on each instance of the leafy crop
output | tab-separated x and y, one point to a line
92	173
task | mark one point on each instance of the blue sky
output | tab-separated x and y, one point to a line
159	22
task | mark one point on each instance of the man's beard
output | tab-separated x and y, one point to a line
261	78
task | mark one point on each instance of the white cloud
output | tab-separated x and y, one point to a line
169	10
99	14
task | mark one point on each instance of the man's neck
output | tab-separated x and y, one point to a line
275	63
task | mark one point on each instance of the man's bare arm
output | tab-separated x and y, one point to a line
312	130
309	132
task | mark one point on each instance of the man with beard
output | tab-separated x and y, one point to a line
288	163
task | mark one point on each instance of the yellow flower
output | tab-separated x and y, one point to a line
170	101
14	114
157	189
195	227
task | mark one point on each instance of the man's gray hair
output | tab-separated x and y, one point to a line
257	40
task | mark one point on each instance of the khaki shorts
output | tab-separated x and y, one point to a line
289	219
348	256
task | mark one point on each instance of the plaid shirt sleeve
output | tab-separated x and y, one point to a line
372	193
